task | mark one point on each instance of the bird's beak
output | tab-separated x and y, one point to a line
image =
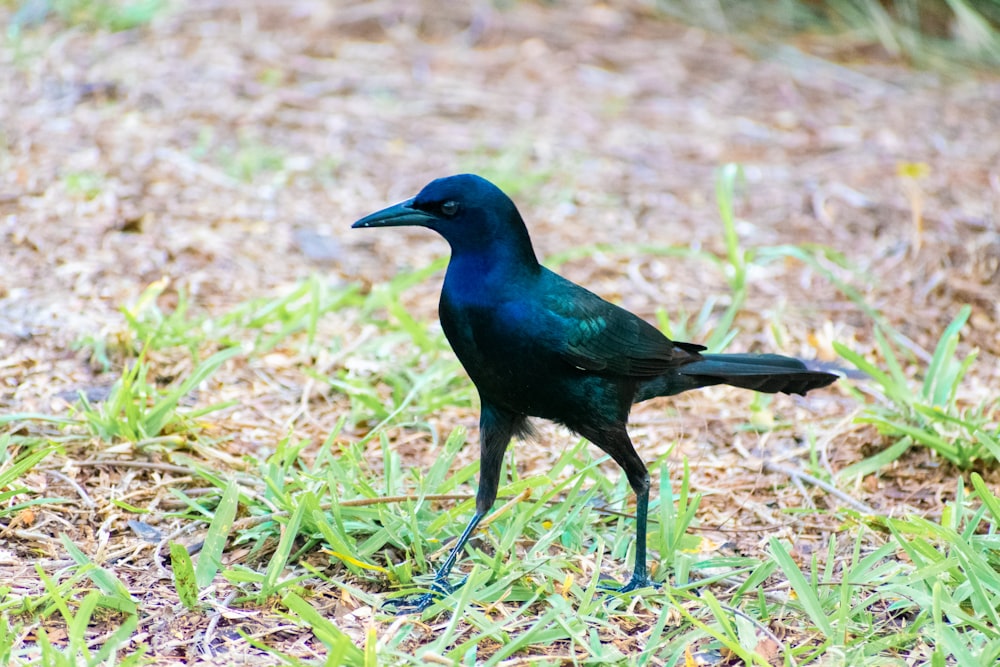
401	215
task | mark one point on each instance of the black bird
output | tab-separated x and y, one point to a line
537	345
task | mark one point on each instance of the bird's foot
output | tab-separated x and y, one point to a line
411	604
637	582
414	604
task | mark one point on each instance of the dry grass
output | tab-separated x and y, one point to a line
229	145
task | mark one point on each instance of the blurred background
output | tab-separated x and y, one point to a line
210	140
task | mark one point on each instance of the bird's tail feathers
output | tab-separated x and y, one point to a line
767	373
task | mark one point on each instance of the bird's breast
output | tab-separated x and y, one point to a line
512	355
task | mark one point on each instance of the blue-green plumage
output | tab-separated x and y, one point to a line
538	345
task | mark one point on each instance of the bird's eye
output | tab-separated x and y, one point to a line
449	208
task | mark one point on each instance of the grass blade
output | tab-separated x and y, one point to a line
807	594
210	558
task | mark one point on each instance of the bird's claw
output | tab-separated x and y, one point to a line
414	604
411	604
634	584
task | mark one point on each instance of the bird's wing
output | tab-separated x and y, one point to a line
600	336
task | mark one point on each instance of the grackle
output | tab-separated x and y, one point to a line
537	345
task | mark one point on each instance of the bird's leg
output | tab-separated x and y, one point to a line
640	575
615	442
440	586
496	427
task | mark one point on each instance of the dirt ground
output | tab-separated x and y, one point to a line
228	146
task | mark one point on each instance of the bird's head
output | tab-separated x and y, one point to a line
467	210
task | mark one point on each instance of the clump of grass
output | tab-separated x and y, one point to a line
112	15
513	167
244	159
85	184
137	411
929	413
79	607
926	32
258	325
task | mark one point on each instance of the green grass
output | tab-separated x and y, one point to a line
928	33
111	15
85	184
245	159
513	168
347	518
929	413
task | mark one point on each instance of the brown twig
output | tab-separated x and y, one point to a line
799	476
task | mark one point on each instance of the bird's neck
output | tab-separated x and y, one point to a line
490	270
